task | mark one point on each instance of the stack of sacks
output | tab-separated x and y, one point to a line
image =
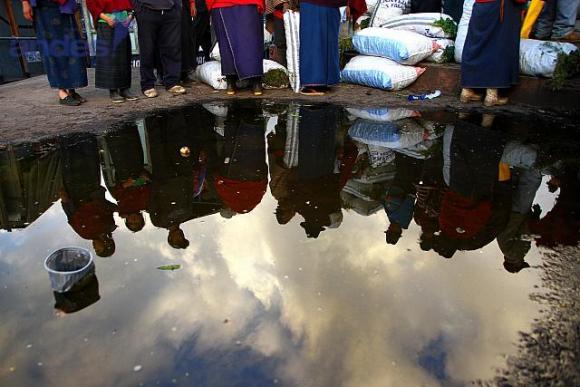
384	54
210	73
438	26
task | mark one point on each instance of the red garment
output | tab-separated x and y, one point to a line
93	219
461	217
131	200
97	7
357	8
240	196
212	4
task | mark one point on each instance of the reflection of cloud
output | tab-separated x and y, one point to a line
345	309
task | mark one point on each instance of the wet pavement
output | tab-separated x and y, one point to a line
311	245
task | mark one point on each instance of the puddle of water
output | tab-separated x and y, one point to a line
317	246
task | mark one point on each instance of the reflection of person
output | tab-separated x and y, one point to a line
242	178
476	205
83	197
63	50
240	34
113	67
400	198
172	177
127	179
491	53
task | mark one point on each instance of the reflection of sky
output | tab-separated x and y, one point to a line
258	304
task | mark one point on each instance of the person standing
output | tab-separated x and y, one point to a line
159	23
187	54
63	50
557	21
319	55
201	32
240	34
492	50
113	68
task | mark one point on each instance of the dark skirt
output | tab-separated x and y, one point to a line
240	36
319	58
492	47
113	67
63	51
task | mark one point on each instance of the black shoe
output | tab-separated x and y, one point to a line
69	101
126	93
231	85
77	96
116	97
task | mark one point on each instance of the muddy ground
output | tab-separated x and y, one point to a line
29	109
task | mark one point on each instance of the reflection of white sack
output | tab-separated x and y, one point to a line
382	114
404	47
402	134
292	138
379	156
418	151
380	73
462	29
539	58
421	23
217	109
385	10
292	27
438	56
211	73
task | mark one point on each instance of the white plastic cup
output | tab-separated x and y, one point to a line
68	266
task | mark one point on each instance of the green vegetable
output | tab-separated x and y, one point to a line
276	78
448	26
449	54
169	267
568	66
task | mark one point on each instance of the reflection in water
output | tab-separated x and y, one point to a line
259	301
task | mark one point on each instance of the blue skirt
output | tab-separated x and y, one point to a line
63	51
319	58
492	47
240	37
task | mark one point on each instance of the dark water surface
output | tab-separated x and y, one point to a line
316	248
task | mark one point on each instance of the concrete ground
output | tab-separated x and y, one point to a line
30	110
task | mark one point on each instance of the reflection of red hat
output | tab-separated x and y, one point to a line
240	196
461	217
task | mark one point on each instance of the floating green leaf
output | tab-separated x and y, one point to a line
169	267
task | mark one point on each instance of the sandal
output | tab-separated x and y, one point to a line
69	101
150	93
257	89
311	91
468	95
492	98
77	96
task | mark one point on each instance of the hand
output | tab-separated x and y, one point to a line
193	10
27	11
109	20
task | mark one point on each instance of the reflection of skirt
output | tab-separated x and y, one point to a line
113	70
319	60
241	40
63	50
492	47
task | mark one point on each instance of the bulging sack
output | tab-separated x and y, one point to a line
210	73
404	47
425	24
539	58
384	10
380	73
462	29
393	135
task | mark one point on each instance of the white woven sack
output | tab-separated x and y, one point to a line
404	47
437	56
292	27
210	73
384	10
462	29
380	73
539	58
421	23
